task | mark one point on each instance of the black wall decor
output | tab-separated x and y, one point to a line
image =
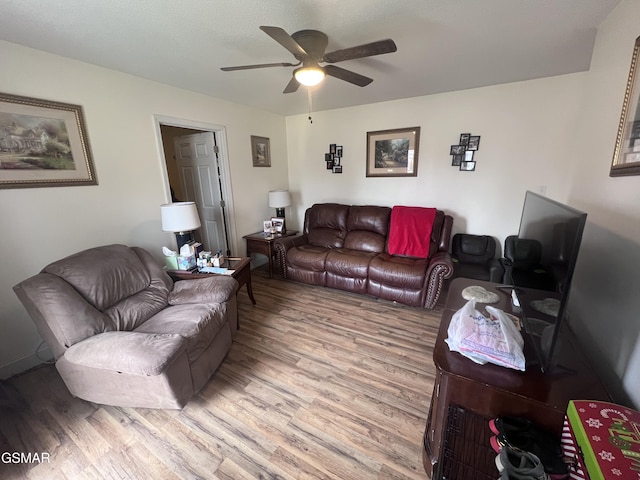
462	155
333	159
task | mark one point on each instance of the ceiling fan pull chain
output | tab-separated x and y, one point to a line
309	101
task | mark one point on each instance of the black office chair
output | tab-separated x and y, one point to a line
473	257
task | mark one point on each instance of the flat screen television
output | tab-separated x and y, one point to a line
544	258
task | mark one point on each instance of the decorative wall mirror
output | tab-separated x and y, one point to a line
626	155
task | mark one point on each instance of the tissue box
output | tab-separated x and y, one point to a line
218	261
604	439
186	263
171	262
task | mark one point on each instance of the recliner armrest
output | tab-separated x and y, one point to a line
283	244
216	289
134	353
443	261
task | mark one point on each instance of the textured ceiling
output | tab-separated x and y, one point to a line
443	45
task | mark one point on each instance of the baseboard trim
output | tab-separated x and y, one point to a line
25	363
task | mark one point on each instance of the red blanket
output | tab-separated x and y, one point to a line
410	231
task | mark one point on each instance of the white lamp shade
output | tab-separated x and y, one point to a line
279	198
179	217
309	76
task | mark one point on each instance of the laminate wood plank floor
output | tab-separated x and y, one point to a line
319	384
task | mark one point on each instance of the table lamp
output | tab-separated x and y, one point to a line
180	218
279	199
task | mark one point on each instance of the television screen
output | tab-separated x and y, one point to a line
542	260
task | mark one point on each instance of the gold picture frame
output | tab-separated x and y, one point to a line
43	144
626	155
393	153
260	151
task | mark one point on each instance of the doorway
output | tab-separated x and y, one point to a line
196	168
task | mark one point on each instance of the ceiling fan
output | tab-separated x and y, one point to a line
308	47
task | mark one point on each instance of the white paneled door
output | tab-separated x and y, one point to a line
197	160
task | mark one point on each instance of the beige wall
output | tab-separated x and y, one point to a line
605	302
527	141
40	225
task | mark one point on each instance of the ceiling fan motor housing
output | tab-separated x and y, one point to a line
313	42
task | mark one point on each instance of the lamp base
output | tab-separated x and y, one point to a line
183	238
280	214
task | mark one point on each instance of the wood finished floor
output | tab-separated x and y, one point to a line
319	384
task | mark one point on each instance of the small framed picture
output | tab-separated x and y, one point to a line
336	161
468	156
337	169
328	157
260	151
468	166
339	151
474	142
457	149
332	148
278	223
457	160
266	226
329	164
464	138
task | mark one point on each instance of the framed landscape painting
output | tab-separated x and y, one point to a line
393	153
43	144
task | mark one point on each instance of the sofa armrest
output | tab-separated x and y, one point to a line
135	353
440	268
215	289
283	245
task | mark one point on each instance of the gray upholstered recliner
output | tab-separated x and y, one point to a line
123	334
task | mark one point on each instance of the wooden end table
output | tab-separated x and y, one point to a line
241	267
262	243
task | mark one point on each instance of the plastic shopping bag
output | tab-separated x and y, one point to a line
483	339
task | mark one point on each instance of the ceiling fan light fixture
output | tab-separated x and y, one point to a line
309	76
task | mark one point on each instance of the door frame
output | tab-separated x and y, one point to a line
219	132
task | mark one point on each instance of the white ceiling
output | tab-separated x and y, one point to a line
443	45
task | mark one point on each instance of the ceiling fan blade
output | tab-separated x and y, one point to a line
284	39
259	65
367	50
347	75
292	86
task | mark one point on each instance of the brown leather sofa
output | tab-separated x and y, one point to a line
345	247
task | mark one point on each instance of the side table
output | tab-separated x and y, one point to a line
262	243
241	272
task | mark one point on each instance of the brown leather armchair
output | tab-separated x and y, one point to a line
345	247
123	334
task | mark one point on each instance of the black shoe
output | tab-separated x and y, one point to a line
541	444
519	465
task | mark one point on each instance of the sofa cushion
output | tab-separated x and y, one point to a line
308	257
326	225
367	228
198	324
103	275
401	272
348	263
127	352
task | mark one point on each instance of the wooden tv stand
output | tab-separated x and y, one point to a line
467	395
